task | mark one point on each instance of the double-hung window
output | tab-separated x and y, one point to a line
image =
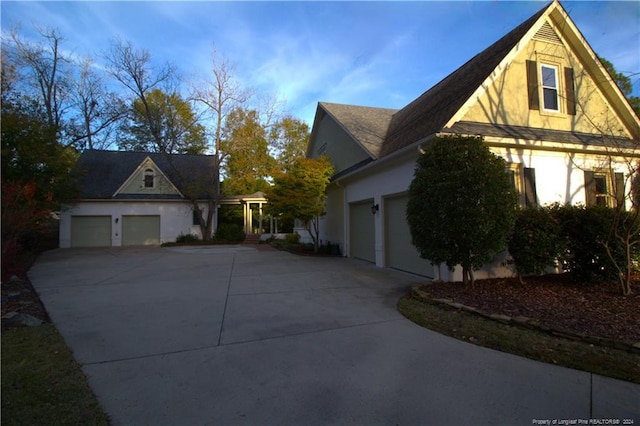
148	178
549	74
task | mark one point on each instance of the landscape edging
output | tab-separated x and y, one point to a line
529	323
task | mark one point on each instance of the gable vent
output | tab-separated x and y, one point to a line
548	34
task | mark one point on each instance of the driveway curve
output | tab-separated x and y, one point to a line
235	335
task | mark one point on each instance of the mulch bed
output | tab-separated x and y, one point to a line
598	310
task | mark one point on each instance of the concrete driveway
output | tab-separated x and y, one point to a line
234	335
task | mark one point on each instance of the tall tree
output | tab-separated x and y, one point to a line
300	193
176	127
96	109
461	205
289	138
134	70
35	167
247	163
624	84
47	73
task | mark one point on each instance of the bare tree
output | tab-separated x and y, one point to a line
49	70
97	110
133	69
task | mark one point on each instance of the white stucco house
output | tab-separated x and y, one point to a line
134	198
540	98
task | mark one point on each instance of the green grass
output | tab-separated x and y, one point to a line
42	384
522	341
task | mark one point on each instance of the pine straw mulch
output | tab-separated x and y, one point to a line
555	301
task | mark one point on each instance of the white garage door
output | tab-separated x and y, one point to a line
362	231
400	253
90	231
140	230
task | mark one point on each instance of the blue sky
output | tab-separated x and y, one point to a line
381	54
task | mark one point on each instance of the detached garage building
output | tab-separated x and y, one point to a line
135	198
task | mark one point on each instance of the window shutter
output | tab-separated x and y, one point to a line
589	188
570	91
530	194
619	182
532	85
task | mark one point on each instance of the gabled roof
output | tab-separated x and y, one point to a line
431	111
366	125
102	173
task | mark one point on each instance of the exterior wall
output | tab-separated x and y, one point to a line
135	184
332	140
559	179
175	218
506	101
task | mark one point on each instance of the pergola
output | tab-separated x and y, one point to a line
249	204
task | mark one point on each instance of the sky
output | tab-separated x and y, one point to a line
379	54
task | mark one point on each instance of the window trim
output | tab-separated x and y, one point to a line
516	173
544	88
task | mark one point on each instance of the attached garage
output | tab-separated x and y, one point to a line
90	231
400	252
362	231
140	230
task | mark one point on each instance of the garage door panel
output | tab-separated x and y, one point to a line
400	252
362	231
140	230
90	231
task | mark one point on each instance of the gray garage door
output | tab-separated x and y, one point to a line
140	230
362	231
400	253
90	231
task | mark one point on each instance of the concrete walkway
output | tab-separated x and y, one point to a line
234	335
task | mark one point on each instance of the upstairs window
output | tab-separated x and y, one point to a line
148	178
549	74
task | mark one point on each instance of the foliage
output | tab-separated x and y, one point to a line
230	232
461	205
248	163
165	123
300	193
535	242
585	230
293	238
624	84
289	137
187	238
36	176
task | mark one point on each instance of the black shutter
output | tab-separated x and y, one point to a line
619	182
570	91
532	85
530	194
589	188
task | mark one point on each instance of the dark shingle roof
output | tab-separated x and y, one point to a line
367	125
102	173
430	112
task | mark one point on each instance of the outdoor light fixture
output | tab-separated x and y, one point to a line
375	208
117	219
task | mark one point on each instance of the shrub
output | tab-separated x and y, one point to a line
535	242
230	232
187	238
293	238
585	229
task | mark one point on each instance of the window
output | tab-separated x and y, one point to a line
148	178
549	75
524	182
602	188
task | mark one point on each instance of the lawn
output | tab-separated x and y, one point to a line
42	384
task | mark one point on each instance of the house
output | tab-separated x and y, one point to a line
135	198
539	97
